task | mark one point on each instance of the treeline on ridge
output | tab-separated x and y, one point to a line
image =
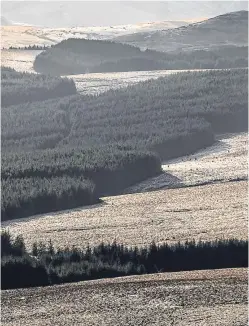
46	265
114	139
22	87
33	47
78	56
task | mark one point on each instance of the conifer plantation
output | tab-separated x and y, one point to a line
46	265
69	151
79	56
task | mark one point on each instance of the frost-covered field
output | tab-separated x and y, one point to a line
225	160
197	298
100	82
202	212
20	36
20	60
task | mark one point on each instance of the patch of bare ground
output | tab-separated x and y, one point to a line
214	297
202	212
20	36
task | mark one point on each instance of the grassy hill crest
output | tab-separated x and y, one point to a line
228	29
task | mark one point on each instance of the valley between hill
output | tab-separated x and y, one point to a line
208	201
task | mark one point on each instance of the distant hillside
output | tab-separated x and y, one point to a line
228	29
79	56
107	13
16	35
5	21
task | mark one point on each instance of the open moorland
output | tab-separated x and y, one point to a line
210	298
225	160
200	212
226	30
20	36
20	60
58	154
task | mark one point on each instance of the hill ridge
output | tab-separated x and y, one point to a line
227	29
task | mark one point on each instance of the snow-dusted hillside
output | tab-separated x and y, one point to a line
227	29
19	36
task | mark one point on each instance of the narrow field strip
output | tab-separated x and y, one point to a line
202	212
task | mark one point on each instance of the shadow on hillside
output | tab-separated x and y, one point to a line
162	181
58	213
218	147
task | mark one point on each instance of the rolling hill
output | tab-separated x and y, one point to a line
228	29
5	21
16	35
217	297
89	13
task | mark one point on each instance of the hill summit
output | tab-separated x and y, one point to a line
228	29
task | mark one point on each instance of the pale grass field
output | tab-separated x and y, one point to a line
223	161
197	298
20	60
20	36
201	212
97	83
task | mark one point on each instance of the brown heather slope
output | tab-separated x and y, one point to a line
214	297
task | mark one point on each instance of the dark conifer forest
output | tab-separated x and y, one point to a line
79	56
20	87
67	152
46	265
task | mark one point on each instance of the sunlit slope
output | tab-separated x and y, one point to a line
215	297
203	212
226	29
225	160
